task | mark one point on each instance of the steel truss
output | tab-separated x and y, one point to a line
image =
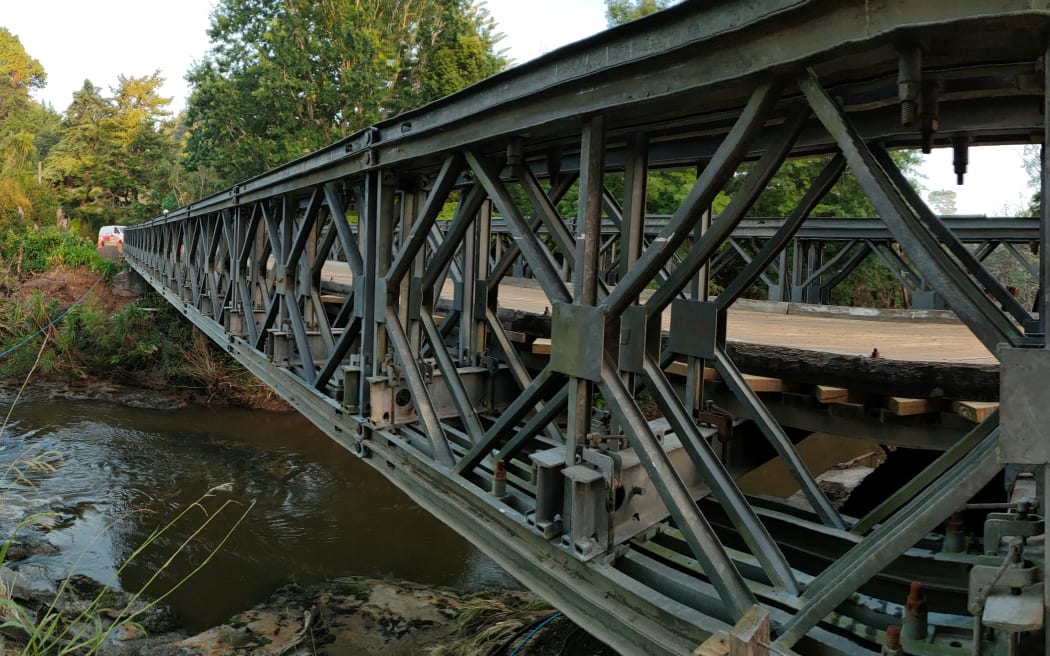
340	281
824	252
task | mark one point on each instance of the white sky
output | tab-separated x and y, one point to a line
101	39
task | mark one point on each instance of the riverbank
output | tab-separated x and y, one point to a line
84	334
124	473
349	616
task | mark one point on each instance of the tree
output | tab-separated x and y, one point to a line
943	201
113	162
618	12
27	132
19	74
454	52
286	77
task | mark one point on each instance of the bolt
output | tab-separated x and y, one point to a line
915	624
499	480
909	82
907	112
954	535
893	636
893	641
961	147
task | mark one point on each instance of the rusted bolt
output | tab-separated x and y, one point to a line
954	534
893	637
499	480
915	625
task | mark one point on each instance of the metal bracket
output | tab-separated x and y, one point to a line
1023	397
698	328
578	340
638	336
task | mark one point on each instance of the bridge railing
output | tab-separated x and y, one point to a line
579	470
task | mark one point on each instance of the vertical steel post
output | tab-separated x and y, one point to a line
635	179
383	237
585	275
367	223
1044	294
632	232
484	228
694	373
466	288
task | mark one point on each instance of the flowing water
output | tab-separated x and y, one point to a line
124	473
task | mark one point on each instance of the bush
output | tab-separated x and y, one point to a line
33	251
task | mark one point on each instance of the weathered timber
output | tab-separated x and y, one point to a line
750	636
716	645
881	376
933	380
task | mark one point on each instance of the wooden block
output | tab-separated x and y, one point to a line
764	384
542	346
827	394
679	368
750	636
333	298
716	645
975	411
905	407
517	337
676	368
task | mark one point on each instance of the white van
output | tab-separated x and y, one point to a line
111	236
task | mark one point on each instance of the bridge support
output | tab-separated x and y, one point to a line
367	284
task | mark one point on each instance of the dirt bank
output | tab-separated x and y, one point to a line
139	375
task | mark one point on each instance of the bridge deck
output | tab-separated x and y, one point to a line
895	339
901	339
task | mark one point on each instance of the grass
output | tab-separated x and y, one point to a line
487	623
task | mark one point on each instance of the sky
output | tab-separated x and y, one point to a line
102	39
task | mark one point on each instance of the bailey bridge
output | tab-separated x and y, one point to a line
367	284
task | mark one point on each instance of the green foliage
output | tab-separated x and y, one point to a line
286	77
113	161
35	251
19	74
26	134
618	12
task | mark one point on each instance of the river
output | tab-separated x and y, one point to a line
316	511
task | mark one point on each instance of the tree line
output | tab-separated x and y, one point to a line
282	78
